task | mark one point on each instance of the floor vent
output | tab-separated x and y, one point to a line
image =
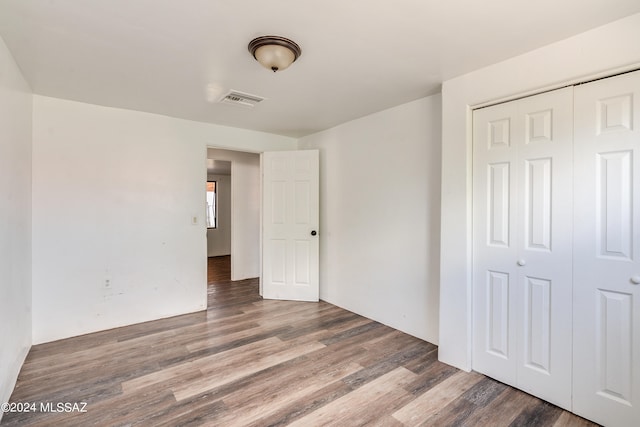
241	99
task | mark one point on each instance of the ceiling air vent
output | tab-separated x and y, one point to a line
241	99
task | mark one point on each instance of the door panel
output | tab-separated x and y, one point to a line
538	204
607	243
522	244
290	215
494	323
614	203
545	214
614	343
499	204
537	337
498	314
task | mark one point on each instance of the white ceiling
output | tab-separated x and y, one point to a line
358	56
218	167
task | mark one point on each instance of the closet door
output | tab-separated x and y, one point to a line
495	240
522	177
607	251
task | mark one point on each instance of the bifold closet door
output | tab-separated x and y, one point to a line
522	210
607	251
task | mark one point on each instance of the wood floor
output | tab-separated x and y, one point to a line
253	362
218	271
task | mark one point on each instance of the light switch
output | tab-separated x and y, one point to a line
194	220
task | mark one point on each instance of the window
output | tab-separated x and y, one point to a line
212	214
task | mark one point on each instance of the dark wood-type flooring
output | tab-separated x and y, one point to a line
252	362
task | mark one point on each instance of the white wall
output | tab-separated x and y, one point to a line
379	216
15	222
245	211
596	53
114	194
219	238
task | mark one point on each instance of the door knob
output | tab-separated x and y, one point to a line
314	232
635	280
522	262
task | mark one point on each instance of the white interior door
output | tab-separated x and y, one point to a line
607	251
290	213
522	177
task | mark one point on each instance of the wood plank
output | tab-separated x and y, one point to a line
429	403
252	404
463	410
567	419
364	404
542	414
504	409
229	366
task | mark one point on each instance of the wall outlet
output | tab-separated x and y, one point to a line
107	283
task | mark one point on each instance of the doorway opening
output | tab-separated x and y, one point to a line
233	217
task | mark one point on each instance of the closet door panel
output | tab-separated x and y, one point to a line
522	244
544	292
494	323
607	251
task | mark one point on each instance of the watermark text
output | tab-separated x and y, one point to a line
43	407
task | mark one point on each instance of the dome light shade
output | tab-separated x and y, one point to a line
274	52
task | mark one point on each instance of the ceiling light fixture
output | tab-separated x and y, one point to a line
274	52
